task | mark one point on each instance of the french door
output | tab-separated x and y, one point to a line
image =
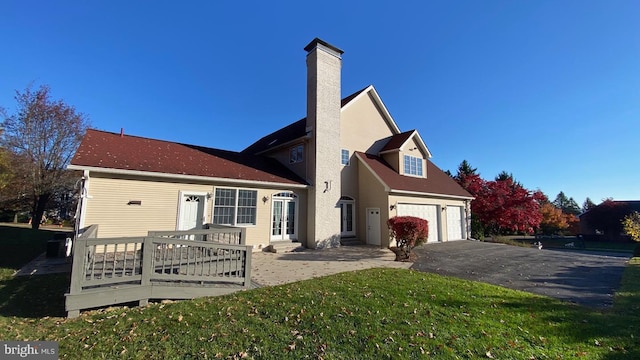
284	217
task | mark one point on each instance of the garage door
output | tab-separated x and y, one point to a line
454	222
427	212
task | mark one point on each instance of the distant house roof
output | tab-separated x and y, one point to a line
101	149
437	182
290	132
632	205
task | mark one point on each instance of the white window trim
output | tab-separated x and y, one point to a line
348	157
422	166
181	195
295	199
235	213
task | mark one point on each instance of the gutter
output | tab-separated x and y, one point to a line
185	177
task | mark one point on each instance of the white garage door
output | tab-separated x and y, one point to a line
454	222
427	212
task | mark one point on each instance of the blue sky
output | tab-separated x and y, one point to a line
546	90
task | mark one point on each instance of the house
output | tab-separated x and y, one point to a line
604	221
337	174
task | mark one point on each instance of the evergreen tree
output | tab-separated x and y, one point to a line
587	205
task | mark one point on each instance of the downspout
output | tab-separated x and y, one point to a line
82	203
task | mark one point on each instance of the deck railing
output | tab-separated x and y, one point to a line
137	269
218	233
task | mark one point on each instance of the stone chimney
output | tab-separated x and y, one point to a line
323	151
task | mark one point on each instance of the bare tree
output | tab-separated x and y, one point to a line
41	136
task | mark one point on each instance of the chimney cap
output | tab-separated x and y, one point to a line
315	42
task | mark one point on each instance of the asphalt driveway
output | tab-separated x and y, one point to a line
584	278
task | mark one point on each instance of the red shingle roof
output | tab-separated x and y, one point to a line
437	182
397	141
109	150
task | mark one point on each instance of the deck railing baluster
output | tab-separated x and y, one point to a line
212	260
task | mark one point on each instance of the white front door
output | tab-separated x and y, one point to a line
284	218
347	215
191	211
373	226
427	212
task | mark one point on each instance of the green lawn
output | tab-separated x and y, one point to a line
370	314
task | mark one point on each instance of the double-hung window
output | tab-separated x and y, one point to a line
412	165
235	206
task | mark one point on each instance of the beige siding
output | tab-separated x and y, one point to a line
283	156
362	126
349	178
411	148
440	202
393	159
372	194
107	207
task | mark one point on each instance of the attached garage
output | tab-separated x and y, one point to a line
427	212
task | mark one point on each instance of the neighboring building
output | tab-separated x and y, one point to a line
604	221
337	174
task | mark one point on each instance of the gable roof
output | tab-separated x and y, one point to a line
124	153
436	183
631	205
291	132
397	141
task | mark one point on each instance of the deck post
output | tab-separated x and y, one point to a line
147	266
247	266
243	237
77	266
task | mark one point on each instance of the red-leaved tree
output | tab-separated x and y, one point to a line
502	205
408	232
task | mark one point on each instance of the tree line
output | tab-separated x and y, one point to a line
503	206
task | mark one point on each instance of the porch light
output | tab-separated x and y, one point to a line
265	199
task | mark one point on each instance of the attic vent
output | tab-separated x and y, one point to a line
272	142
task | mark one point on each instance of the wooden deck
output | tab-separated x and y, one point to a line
163	265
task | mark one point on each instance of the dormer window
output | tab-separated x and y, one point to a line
412	165
296	154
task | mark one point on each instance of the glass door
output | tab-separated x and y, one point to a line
284	219
347	223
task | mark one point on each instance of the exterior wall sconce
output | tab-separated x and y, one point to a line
265	199
444	208
392	207
327	186
134	202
